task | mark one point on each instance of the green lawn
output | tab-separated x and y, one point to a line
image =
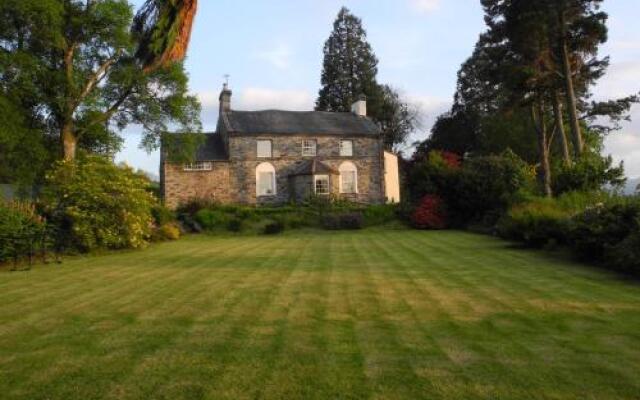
373	314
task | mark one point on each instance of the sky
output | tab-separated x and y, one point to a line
272	50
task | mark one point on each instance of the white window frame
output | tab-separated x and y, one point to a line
344	153
348	167
198	166
266	168
309	148
318	178
270	148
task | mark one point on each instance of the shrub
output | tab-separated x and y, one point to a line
625	256
96	204
380	214
595	233
162	215
170	231
486	187
211	219
589	173
274	227
235	225
479	192
299	220
194	205
22	230
351	221
430	214
538	223
345	221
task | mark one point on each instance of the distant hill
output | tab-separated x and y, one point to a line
632	185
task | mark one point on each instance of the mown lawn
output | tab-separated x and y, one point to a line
374	314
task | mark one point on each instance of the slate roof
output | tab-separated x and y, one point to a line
296	122
313	167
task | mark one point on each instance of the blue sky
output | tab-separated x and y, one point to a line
273	51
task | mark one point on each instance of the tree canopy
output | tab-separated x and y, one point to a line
529	82
80	74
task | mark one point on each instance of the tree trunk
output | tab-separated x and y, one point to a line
557	112
576	132
69	142
537	114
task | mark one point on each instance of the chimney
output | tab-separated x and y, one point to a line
359	108
225	99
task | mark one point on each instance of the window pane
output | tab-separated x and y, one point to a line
348	182
264	148
322	185
198	166
346	148
309	147
265	183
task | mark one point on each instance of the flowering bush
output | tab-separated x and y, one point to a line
452	160
169	231
430	214
96	204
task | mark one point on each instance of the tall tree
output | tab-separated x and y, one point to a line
396	118
349	68
579	29
84	76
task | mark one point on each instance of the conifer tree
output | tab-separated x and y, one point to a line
350	67
350	70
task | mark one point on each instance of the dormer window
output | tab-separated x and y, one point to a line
309	148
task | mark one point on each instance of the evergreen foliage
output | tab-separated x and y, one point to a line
350	70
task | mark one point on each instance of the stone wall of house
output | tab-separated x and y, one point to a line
234	181
180	186
287	157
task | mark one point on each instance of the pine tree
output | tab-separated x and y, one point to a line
350	67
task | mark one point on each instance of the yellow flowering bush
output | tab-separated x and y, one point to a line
97	204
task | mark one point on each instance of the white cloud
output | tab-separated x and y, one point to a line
263	98
254	98
430	108
625	145
622	80
425	6
279	56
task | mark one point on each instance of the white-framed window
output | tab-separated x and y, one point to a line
264	148
322	184
346	148
265	180
309	148
348	178
198	166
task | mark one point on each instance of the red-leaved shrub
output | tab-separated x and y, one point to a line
430	213
452	160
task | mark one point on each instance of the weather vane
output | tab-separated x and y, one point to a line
226	80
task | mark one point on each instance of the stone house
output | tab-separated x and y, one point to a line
277	157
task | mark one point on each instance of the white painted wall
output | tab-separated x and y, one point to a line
391	177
